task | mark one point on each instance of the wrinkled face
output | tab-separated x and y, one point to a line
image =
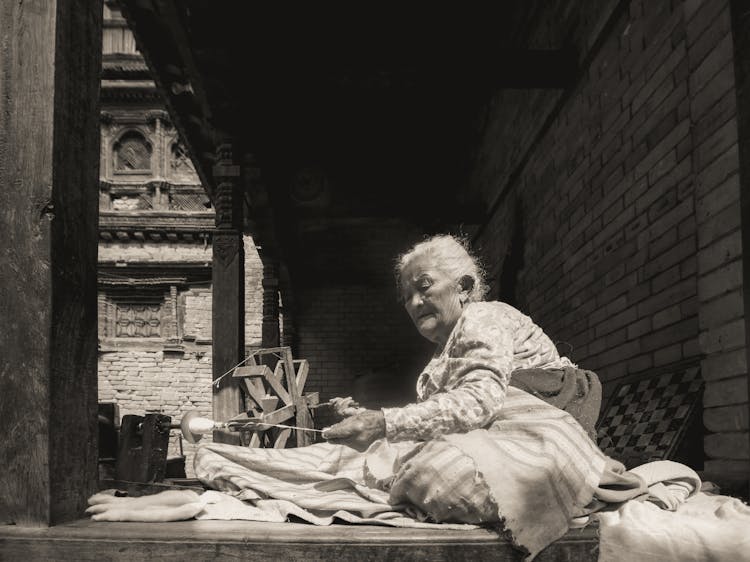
432	299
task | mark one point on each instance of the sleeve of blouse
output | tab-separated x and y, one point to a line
479	364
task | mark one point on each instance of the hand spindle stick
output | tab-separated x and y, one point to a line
193	426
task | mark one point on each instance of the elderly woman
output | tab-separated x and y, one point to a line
478	346
487	451
476	448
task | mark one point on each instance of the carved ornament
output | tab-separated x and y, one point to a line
106	118
159	114
226	247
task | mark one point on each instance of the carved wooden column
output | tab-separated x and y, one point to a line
289	333
270	325
289	330
50	59
228	292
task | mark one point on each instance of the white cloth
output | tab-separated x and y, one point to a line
222	506
669	483
705	527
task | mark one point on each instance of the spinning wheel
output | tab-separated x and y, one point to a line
275	397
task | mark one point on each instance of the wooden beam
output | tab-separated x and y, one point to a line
50	59
303	367
165	46
529	68
275	382
255	390
303	417
260	541
279	416
486	66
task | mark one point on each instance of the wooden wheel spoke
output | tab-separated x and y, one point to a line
285	383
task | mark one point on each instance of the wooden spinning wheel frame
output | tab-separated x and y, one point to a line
276	397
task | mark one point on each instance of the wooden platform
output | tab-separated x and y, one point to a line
244	540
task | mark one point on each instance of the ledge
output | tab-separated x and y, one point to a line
110	345
246	540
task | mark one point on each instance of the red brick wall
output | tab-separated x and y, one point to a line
631	241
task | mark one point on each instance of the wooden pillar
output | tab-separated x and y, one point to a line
270	325
228	292
50	59
740	12
288	324
289	333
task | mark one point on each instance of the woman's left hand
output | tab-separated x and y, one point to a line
357	431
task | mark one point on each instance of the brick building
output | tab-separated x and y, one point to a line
155	253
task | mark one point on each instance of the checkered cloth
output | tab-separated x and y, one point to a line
646	420
532	471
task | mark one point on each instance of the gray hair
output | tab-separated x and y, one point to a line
452	256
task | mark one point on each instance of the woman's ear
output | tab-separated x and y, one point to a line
467	285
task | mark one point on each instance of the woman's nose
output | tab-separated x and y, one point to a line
414	301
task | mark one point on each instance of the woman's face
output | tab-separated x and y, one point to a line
432	299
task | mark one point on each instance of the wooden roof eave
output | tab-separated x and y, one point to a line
162	40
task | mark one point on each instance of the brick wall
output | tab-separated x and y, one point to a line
142	376
351	328
719	267
357	333
196	303
155	381
630	253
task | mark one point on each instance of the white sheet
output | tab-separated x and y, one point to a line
706	527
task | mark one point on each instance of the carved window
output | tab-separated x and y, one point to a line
128	311
132	154
138	320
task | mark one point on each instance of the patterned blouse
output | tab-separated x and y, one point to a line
463	386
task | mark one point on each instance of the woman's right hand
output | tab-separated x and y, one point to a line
346	407
357	432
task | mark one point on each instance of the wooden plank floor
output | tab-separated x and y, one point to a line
245	540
